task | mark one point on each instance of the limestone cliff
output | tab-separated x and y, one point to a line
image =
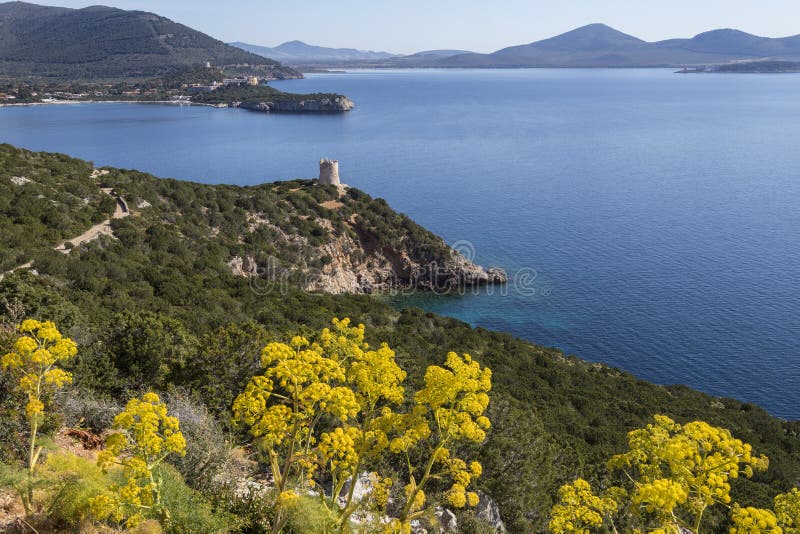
346	264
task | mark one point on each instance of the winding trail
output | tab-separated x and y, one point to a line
103	228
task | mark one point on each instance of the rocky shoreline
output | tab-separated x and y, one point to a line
323	105
338	104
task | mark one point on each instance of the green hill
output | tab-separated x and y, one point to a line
159	306
100	42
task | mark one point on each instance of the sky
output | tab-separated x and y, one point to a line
482	26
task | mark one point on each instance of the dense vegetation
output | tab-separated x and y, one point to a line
254	93
157	307
106	43
759	67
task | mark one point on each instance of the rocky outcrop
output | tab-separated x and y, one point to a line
448	523
355	262
360	266
245	267
334	104
488	511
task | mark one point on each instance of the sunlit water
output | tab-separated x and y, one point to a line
654	216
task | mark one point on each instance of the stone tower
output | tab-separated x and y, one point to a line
329	172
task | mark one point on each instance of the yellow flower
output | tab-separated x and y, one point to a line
145	435
674	461
579	510
754	521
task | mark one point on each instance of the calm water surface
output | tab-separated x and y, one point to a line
654	217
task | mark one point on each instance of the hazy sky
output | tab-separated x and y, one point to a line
412	25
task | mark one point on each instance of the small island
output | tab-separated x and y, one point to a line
268	99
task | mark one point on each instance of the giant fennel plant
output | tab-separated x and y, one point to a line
338	403
675	473
35	363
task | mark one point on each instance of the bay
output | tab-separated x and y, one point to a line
648	220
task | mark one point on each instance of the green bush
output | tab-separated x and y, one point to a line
71	481
189	512
309	516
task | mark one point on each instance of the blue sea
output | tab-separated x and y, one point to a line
647	220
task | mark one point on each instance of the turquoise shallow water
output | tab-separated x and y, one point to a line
653	216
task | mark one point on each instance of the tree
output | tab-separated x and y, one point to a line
34	363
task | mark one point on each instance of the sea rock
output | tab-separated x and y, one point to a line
488	510
496	275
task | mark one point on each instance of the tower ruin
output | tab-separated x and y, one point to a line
329	172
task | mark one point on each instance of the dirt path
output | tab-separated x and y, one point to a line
103	228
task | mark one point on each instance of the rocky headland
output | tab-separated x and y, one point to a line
325	104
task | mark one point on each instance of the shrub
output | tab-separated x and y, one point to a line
71	482
83	409
189	512
207	447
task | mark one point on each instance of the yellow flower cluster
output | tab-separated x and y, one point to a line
417	496
660	495
785	519
579	510
685	468
298	383
381	490
34	360
339	449
147	435
148	432
787	508
458	395
337	378
754	521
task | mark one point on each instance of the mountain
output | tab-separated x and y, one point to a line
436	53
300	53
738	43
598	45
100	42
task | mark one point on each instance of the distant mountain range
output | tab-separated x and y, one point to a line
300	53
595	45
598	45
100	42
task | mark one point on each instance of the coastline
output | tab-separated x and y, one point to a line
72	102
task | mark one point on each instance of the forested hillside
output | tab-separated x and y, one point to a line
158	306
101	42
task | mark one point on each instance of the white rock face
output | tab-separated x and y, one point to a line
243	266
448	524
488	511
19	180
